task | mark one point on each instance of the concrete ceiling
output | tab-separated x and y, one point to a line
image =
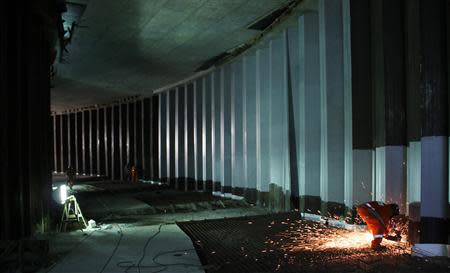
131	47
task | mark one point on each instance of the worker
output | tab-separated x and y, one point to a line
378	217
134	174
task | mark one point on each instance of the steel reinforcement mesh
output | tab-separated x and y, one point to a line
285	243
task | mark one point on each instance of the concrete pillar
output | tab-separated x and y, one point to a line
109	140
413	116
389	101
101	142
57	150
333	123
225	129
215	129
237	138
162	136
249	126
198	134
177	121
97	141
65	142
434	137
180	144
106	141
115	149
307	113
207	132
362	102
279	142
143	140
171	135
263	103
293	86
55	155
189	137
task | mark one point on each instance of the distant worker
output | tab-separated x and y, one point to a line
134	174
378	217
71	176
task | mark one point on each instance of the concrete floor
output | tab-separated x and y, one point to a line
124	248
128	233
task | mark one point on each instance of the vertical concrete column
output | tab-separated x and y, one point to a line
208	132
186	137
110	124
91	144
136	134
332	93
143	139
153	136
293	109
162	136
237	160
181	133
55	153
389	101
307	112
83	143
76	141
114	140
434	137
348	106
107	140
225	129
190	145
127	134
215	124
171	135
413	116
279	142
198	141
362	102
120	142
61	141
167	140
177	137
249	124
204	133
263	104
195	132
97	141
65	141
69	141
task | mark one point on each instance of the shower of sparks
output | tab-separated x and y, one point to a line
294	245
355	239
309	236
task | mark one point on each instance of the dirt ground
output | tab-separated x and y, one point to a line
285	243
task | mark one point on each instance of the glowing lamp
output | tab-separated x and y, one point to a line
63	193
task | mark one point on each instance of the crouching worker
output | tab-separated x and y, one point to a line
378	217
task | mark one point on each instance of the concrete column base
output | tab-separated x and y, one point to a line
430	250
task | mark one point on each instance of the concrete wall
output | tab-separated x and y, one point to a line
102	141
320	115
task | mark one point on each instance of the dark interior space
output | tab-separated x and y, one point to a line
224	136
